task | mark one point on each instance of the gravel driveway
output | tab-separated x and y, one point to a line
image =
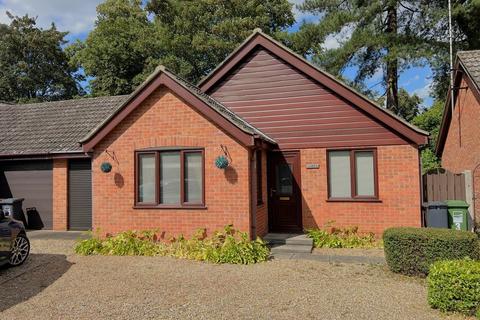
56	284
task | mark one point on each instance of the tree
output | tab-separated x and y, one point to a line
430	120
384	35
199	34
118	48
190	37
408	105
33	66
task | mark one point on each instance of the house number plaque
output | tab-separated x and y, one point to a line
313	166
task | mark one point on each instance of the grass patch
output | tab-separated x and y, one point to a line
331	237
226	246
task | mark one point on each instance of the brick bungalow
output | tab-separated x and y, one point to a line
303	149
458	141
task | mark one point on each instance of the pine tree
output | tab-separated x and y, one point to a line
383	35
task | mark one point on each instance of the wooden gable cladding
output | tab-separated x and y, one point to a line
294	109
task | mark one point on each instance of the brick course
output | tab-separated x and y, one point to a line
164	120
60	195
462	148
399	193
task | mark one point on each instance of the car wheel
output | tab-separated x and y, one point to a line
20	250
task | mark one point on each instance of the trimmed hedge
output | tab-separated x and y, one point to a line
411	251
455	286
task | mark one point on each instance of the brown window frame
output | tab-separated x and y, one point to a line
157	205
353	180
259	173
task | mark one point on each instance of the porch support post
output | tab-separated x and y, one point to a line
253	188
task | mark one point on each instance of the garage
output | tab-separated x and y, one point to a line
79	194
42	160
32	180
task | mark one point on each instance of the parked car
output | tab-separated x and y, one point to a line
14	244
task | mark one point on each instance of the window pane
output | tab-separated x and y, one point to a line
365	176
284	179
146	178
170	177
339	167
193	177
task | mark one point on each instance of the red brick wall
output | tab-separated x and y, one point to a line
399	192
164	120
60	196
462	148
262	210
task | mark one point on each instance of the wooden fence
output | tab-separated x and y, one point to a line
444	185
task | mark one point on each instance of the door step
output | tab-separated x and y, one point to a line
281	243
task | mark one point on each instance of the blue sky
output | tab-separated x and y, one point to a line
78	17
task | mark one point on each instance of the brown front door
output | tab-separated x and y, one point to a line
285	214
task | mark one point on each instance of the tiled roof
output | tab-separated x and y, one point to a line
471	62
52	127
60	126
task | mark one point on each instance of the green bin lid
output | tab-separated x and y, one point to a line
456	203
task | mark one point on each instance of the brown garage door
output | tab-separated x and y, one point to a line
31	180
80	194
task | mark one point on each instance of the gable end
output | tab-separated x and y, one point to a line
261	42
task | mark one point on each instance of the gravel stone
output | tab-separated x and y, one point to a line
57	284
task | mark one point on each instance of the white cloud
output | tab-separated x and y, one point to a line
378	75
76	16
334	41
411	80
425	91
300	15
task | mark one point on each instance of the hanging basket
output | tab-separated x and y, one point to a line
106	167
221	162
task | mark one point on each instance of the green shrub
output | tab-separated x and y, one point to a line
454	285
411	251
478	313
227	246
129	243
341	238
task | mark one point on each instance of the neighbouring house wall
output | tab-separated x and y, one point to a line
164	120
462	145
60	194
262	209
399	193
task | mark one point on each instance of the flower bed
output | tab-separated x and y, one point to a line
227	246
331	237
